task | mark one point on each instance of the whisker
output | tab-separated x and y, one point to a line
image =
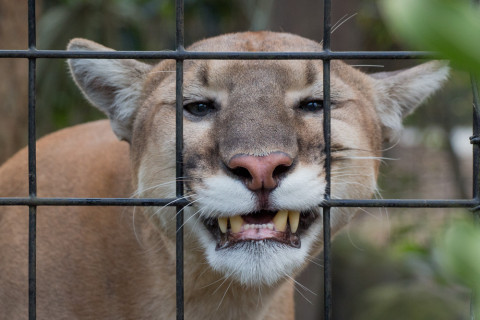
221	284
349	167
138	192
198	211
368	65
208	285
351	240
367	158
172	202
351	175
134	227
299	292
338	25
314	262
223	297
339	20
300	285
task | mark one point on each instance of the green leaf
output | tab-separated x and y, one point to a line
449	27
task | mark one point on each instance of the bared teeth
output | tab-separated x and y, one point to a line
222	223
280	220
293	219
236	223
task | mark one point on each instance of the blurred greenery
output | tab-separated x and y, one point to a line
422	289
399	277
122	25
458	255
450	27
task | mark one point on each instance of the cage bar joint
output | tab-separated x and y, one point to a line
475	208
475	139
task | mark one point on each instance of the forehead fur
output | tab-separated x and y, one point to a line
256	41
295	74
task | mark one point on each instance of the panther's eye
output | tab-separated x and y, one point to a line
311	106
200	109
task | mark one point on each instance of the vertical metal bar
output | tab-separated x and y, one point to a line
179	43
32	171
476	134
476	167
327	283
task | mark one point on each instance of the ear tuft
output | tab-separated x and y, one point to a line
401	92
112	85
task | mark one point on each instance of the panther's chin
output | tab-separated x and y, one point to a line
261	258
263	227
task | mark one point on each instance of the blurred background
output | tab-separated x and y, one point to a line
385	262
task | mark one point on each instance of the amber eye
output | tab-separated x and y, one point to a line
200	109
311	106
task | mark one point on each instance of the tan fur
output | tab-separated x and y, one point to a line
119	262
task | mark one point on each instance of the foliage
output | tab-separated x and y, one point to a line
395	278
450	27
459	256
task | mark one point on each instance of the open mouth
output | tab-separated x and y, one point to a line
283	226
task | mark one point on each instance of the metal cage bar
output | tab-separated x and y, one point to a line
337	55
179	43
180	54
384	203
475	139
327	278
32	167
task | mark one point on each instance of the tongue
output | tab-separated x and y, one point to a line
255	234
259	218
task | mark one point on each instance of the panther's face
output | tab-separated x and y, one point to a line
254	148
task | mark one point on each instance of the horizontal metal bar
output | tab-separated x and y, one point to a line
403	203
398	203
183	55
92	202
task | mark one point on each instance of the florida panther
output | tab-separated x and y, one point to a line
253	160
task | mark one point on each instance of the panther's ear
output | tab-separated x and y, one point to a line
113	86
400	92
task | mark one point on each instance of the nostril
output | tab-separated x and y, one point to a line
280	170
241	172
260	172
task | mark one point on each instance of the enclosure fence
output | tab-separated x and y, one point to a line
180	55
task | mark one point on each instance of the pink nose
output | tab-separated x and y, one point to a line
260	172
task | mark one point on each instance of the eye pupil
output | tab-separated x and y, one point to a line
199	109
312	106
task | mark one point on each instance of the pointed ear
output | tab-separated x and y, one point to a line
401	92
113	86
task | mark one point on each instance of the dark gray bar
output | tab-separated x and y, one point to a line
184	55
327	271
475	139
372	203
32	168
179	43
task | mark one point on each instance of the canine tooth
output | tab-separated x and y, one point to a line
280	220
236	224
294	219
222	223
